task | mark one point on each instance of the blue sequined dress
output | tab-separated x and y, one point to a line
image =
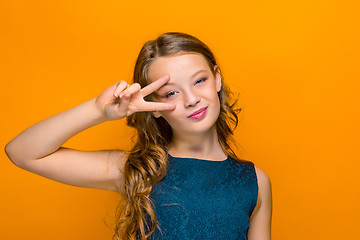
204	199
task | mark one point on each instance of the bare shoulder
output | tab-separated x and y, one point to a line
264	185
260	220
263	178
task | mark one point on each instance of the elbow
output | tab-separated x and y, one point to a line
7	152
10	154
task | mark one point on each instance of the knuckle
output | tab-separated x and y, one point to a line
119	82
123	83
136	86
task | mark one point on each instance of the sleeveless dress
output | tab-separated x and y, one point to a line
203	199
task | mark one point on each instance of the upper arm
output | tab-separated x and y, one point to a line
260	220
91	169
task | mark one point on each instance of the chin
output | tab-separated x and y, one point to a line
199	127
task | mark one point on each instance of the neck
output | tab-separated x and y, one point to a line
204	145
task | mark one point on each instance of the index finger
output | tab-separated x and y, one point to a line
152	87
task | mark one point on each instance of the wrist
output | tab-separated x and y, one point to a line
98	114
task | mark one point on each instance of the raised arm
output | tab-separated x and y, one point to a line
39	148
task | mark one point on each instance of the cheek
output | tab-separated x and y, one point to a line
211	88
173	116
217	101
213	94
169	115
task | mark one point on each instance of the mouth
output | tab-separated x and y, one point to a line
198	114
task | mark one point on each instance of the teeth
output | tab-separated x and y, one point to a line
199	114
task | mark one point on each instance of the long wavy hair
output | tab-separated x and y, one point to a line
147	161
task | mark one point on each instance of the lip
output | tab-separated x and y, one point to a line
201	110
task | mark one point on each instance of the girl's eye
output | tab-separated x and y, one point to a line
169	94
201	80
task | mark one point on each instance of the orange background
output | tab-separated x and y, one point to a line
295	64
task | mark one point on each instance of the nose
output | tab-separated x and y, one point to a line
191	99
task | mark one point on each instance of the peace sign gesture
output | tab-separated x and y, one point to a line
122	99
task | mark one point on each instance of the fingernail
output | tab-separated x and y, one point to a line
121	94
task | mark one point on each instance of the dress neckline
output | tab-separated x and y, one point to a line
202	160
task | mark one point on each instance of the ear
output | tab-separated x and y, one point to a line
156	114
217	78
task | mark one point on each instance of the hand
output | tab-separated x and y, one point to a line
122	100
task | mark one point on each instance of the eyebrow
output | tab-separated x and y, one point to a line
202	70
169	83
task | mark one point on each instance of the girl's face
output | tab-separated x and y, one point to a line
192	87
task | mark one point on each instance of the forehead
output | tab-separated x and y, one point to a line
177	65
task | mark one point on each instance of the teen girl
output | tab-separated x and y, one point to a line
181	180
